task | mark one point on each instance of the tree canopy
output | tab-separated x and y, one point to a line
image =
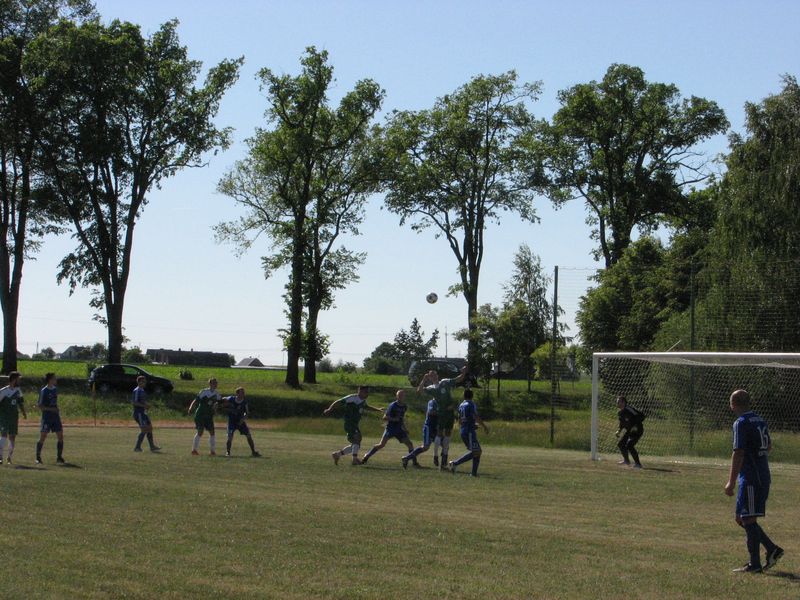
122	114
626	146
459	165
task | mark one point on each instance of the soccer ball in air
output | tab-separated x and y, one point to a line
432	298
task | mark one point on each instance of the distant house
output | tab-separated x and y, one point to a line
195	358
250	362
76	353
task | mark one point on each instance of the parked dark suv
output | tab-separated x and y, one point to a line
123	378
447	368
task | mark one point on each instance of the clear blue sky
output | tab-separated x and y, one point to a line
188	292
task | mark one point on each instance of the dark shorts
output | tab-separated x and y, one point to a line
51	424
428	434
401	435
445	427
240	426
751	500
9	426
142	419
204	424
470	439
353	435
631	437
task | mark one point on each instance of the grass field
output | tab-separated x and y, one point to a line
536	524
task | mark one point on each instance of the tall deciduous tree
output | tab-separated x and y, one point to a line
458	165
123	113
24	210
525	302
626	147
303	185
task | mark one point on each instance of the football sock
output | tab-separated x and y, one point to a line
139	440
372	451
10	449
634	454
414	453
436	443
2	446
768	543
212	443
753	543
345	451
252	445
445	445
464	458
59	449
196	442
444	459
355	448
39	450
475	462
228	445
150	439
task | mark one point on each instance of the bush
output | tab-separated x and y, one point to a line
186	375
325	366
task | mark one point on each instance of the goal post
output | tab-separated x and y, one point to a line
684	396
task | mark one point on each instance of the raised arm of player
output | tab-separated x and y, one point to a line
191	406
461	376
423	383
328	410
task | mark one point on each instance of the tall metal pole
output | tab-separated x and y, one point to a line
691	348
553	380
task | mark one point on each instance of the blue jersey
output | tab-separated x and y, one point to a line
138	396
467	412
432	413
236	409
750	433
48	397
395	414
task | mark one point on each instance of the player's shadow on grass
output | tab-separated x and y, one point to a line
245	457
69	466
26	468
660	470
793	577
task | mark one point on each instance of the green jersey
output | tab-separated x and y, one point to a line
442	393
205	404
10	402
354	407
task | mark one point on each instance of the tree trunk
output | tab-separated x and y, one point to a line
115	337
10	310
294	346
312	349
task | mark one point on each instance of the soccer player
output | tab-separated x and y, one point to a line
469	420
203	405
395	428
11	404
354	407
238	409
429	430
630	420
140	406
750	467
441	391
51	418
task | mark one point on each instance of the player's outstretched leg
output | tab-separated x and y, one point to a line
436	443
373	450
252	445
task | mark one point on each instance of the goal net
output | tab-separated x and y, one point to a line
685	395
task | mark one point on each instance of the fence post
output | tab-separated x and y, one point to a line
691	349
553	375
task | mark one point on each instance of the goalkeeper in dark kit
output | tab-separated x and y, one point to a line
630	423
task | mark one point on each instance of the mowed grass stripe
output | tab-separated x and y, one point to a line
537	524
